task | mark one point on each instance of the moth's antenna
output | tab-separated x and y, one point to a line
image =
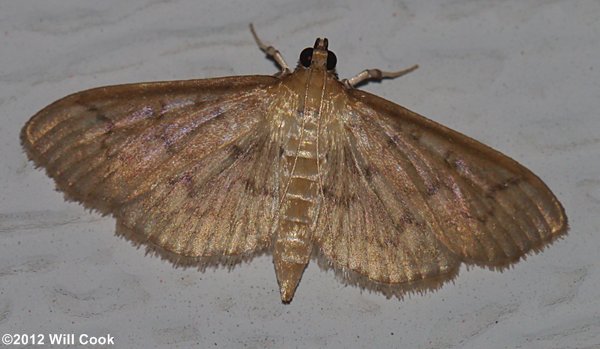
271	52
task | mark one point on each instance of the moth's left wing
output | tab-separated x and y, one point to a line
184	165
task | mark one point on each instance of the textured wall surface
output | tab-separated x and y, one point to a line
521	76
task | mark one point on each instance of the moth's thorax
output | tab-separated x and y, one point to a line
313	91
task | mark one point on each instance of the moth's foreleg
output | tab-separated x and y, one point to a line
375	74
272	52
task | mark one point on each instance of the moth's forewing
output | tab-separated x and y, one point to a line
183	165
483	206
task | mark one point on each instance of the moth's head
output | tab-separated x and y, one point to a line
318	56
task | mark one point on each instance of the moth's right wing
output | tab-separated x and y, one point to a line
405	199
185	165
483	206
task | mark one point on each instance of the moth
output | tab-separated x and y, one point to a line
301	165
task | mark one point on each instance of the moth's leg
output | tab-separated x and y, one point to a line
376	74
272	52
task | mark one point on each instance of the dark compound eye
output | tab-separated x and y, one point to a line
306	57
331	60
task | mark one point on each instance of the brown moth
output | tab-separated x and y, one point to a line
298	164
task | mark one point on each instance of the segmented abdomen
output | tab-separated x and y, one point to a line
299	205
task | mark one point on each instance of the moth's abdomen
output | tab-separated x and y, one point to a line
299	204
299	209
